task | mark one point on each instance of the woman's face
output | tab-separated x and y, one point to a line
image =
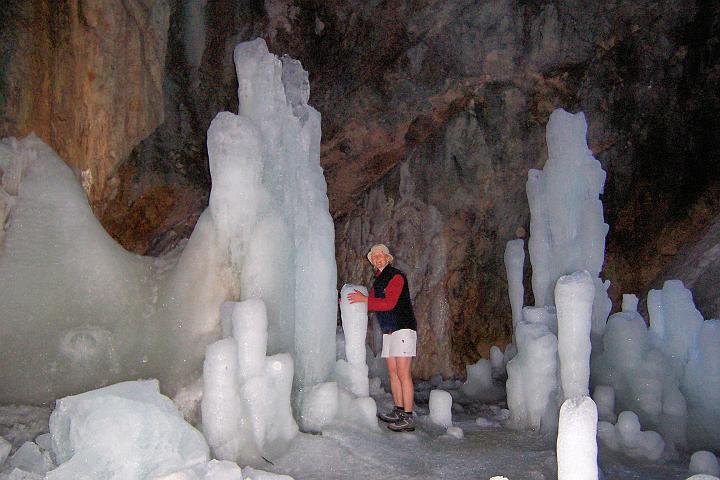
379	260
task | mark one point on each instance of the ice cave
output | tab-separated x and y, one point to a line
216	218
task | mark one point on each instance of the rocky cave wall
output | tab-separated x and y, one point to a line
433	111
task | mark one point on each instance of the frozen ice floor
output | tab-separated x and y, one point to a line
349	452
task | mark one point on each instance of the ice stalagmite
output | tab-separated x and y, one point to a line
576	444
246	411
532	386
353	373
574	299
567	230
514	260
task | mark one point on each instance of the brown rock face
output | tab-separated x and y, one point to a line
86	76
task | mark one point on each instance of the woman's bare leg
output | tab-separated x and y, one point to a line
395	385
403	367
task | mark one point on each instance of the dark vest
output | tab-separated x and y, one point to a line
402	316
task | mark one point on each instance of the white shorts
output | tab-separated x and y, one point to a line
400	343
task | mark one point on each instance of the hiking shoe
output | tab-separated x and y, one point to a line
391	417
405	423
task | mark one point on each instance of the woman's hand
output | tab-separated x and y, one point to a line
357	297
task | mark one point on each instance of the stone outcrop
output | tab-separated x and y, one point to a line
86	77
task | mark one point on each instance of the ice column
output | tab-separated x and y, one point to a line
574	299
701	384
289	261
576	443
674	322
246	411
514	260
566	223
353	373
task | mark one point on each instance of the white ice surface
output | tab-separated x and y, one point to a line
125	431
351	452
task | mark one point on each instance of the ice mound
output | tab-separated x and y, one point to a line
125	431
246	413
626	438
479	384
81	312
533	383
441	408
703	462
604	398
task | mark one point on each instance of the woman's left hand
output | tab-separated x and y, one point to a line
357	297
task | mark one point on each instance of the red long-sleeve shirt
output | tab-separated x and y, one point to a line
392	293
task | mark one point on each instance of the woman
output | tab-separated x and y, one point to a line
390	298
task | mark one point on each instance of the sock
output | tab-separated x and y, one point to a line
399	409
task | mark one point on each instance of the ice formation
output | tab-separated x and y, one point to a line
533	383
514	264
479	383
246	413
352	372
347	399
576	444
604	398
125	431
441	408
567	230
627	438
5	448
567	236
497	361
574	300
666	374
80	312
704	462
669	380
30	458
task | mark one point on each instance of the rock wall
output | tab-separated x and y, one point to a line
85	76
